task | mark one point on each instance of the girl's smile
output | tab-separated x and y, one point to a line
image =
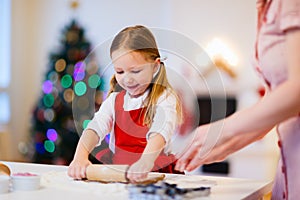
132	87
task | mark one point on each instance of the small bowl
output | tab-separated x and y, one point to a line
25	181
4	184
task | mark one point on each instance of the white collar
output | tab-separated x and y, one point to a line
132	103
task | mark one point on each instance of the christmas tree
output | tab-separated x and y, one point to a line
71	92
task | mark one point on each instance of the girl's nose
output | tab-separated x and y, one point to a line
128	79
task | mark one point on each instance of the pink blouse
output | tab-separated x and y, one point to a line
279	16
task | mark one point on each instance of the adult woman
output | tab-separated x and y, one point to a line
278	61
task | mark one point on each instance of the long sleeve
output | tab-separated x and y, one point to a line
103	119
165	119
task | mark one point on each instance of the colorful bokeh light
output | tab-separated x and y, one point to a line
68	95
40	115
53	76
60	65
80	88
49	114
79	71
66	81
92	67
40	148
51	135
94	81
85	123
107	138
47	87
49	146
48	100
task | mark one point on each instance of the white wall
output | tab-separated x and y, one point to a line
37	26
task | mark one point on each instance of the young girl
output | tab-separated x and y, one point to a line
141	112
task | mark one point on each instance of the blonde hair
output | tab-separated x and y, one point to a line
140	39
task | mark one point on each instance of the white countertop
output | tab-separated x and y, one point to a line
55	184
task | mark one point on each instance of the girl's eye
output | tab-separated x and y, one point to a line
119	72
136	71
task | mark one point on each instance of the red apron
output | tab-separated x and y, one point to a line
130	139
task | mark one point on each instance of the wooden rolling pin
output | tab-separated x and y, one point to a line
116	173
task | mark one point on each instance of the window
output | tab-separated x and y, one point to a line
5	61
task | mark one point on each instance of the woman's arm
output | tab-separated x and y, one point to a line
249	125
283	102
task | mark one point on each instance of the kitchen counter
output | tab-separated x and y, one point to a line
55	184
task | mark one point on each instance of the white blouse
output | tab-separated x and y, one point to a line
164	121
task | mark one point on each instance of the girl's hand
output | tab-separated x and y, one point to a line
77	168
138	171
86	144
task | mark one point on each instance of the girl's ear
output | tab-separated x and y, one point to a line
156	67
157	64
157	60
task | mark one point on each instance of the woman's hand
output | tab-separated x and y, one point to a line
215	142
138	171
77	168
195	153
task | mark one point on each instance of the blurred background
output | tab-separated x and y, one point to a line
42	74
